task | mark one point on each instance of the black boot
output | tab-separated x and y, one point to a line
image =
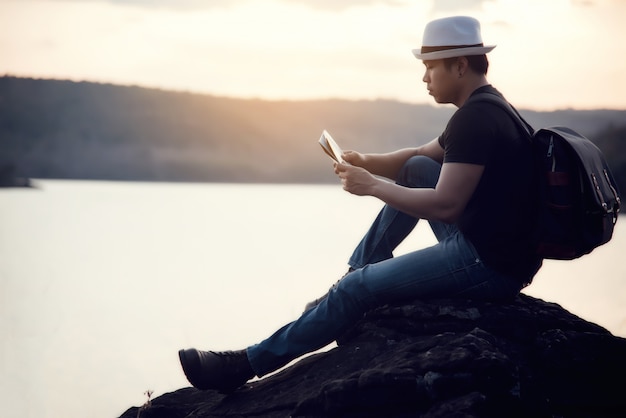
221	371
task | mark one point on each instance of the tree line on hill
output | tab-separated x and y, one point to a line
80	130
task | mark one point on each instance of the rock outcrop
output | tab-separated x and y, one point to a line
442	358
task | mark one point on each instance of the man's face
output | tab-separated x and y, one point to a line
442	82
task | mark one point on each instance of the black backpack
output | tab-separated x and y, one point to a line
577	198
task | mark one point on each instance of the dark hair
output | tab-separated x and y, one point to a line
477	63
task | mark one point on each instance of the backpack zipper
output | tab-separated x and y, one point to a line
550	147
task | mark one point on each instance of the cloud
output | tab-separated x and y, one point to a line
177	4
449	6
156	4
337	5
330	5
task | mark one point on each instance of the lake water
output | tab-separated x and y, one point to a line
101	282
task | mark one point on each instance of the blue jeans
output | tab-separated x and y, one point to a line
449	269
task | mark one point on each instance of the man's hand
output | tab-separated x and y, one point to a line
354	158
355	180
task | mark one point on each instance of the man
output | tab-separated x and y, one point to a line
473	184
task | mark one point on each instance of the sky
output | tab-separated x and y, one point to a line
550	54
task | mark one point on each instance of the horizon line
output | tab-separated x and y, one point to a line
284	99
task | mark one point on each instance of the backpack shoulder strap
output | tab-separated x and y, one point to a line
499	101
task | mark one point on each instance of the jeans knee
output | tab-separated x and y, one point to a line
419	171
355	293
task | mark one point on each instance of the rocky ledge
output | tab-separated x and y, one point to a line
442	358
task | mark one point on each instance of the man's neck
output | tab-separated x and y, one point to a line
470	86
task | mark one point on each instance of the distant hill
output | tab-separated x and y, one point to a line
80	130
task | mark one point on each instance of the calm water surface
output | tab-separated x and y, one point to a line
101	283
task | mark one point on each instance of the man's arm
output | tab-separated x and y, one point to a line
388	165
445	202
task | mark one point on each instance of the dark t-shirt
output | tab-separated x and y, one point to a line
498	217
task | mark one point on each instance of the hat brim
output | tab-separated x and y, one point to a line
450	53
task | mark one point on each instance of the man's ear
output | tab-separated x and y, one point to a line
462	65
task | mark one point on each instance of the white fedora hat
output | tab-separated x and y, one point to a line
449	37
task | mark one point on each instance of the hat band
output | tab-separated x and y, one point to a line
429	49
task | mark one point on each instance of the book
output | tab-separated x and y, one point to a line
330	147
